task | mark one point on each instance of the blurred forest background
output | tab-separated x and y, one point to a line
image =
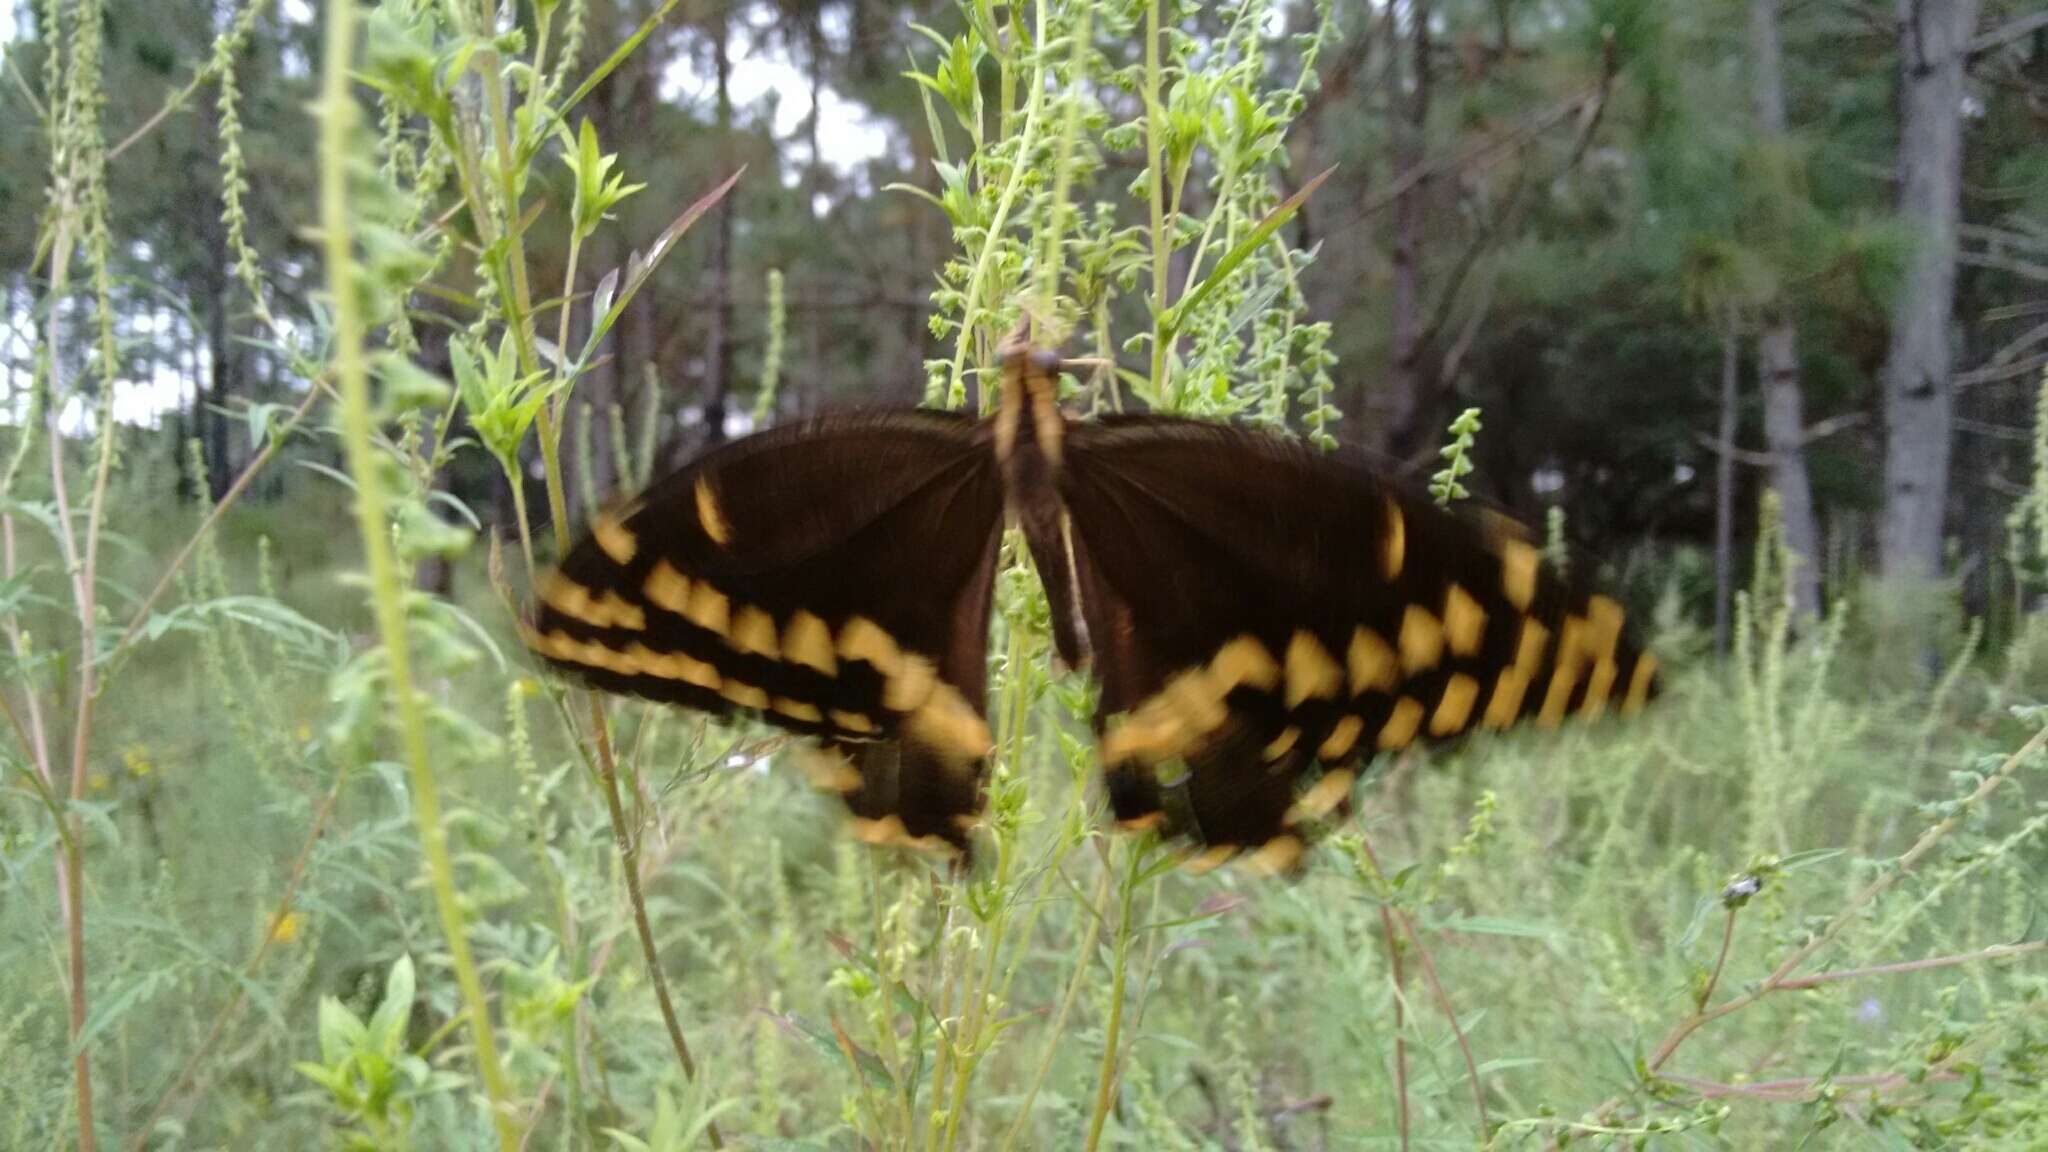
1750	298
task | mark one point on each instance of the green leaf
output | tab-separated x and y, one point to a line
1277	218
387	1024
640	267
341	1033
1808	859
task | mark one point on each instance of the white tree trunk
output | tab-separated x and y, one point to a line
1934	38
1777	350
1724	483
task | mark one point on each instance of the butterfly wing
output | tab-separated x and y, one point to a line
833	576
1260	617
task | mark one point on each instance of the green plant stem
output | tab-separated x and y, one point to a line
951	963
1429	976
1015	705
969	1043
1083	956
1155	198
1063	164
519	516
629	857
892	1057
1397	975
568	293
71	860
1106	1077
1026	141
338	116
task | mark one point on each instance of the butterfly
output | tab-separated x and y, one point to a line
1259	618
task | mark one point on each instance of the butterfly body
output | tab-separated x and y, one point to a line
1259	618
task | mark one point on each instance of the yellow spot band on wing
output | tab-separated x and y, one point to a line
863	639
1282	744
1506	702
889	832
744	695
754	631
1422	640
829	771
708	608
1529	652
1464	621
1322	797
1311	672
1402	723
1275	856
1244	661
808	642
609	610
1342	738
1149	736
676	666
855	722
667	588
1174	720
796	710
949	725
1372	663
616	540
710	515
1639	682
910	685
1455	708
1564	675
1518	564
1393	542
1598	687
1603	626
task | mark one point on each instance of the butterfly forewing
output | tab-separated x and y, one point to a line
1261	617
834	577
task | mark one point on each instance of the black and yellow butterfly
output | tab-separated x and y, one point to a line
1259	617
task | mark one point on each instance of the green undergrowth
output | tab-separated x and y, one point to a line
1569	890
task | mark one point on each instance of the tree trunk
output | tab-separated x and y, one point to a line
1777	348
814	166
1777	355
718	375
1934	37
1407	432
1724	485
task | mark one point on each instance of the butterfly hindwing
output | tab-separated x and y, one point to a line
1261	617
833	576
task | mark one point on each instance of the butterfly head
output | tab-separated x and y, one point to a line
1029	405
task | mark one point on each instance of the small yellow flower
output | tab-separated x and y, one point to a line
286	928
97	782
303	733
525	686
136	759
